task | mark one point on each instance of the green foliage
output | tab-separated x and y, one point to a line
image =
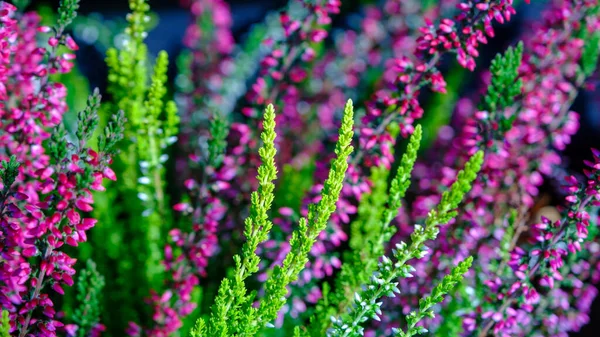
505	243
4	324
233	312
591	49
232	297
66	13
589	57
366	301
426	304
21	4
452	323
88	118
309	229
360	263
9	172
219	129
370	208
504	87
135	211
89	289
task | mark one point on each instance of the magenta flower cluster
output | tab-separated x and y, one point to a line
45	208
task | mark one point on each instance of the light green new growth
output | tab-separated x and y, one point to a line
361	262
233	313
366	302
89	289
153	136
426	304
306	235
4	325
228	308
140	91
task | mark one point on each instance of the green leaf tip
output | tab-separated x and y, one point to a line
232	311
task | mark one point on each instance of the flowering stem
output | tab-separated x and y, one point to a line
510	299
36	293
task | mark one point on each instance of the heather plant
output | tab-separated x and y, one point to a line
47	174
135	231
397	184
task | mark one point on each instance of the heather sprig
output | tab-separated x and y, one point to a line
66	13
90	285
504	87
361	261
382	282
232	298
9	172
233	312
152	128
591	49
309	229
4	324
426	304
51	193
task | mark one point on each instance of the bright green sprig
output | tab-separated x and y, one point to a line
4	325
370	208
232	298
138	20
361	262
446	209
306	235
426	304
153	137
151	128
401	181
505	85
367	302
89	289
127	75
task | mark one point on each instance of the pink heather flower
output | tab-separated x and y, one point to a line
511	176
44	211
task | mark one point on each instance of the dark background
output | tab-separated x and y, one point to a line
174	20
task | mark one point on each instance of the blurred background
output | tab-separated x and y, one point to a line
101	22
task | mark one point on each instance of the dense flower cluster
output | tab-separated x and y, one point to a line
510	177
45	194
